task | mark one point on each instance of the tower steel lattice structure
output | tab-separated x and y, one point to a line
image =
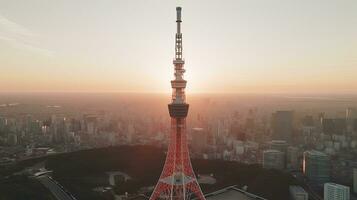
177	180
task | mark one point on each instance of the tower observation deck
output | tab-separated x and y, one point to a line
177	180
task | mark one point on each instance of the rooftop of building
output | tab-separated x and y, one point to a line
278	142
296	189
315	153
232	193
272	151
336	185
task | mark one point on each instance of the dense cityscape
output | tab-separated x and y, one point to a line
316	144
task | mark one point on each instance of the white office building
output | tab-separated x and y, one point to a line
333	191
273	159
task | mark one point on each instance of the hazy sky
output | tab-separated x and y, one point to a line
128	45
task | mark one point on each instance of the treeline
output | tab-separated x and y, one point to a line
144	165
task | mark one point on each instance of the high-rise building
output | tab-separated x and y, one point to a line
292	158
282	125
351	116
333	191
333	126
281	146
177	180
298	193
2	123
237	131
91	124
12	139
308	120
316	166
199	140
273	159
355	180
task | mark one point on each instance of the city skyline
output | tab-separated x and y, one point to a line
231	46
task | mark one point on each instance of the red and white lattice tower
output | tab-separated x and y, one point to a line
177	180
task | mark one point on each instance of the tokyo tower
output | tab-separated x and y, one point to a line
177	180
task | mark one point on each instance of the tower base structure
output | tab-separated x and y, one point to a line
177	180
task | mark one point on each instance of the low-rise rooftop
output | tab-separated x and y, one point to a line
232	193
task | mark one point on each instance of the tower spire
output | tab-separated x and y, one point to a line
178	84
177	180
178	46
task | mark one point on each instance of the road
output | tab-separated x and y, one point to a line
56	189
